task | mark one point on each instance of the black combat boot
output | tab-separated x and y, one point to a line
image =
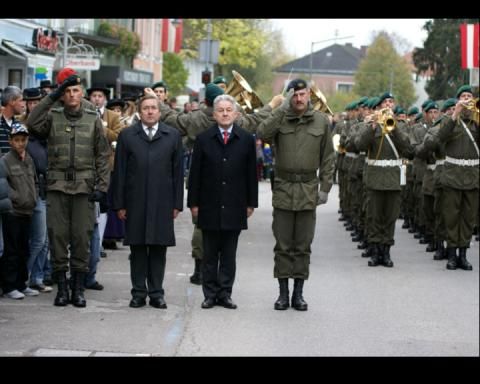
78	299
374	257
387	262
369	251
432	245
452	258
359	237
197	276
420	232
62	299
297	297
440	252
283	300
462	259
406	223
413	227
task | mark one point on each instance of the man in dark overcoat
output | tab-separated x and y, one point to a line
148	195
222	194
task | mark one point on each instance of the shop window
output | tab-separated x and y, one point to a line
15	77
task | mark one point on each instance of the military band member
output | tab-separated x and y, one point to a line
460	134
385	148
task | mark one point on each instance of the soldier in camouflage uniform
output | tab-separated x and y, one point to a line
78	175
303	146
460	134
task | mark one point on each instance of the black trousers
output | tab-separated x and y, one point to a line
147	270
13	263
219	263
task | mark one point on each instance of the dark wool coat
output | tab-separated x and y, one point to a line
223	179
148	183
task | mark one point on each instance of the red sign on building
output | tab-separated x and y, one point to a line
45	39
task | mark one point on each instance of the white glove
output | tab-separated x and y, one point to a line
288	98
322	197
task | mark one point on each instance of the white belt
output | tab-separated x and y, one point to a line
440	162
431	166
462	162
363	153
351	154
384	163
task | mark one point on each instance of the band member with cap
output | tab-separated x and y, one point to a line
221	82
460	135
385	149
303	147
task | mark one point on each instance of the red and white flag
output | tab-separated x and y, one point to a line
469	38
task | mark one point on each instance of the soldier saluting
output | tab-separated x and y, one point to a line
78	175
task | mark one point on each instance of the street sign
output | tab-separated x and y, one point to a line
79	62
214	49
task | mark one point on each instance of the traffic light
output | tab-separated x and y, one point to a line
206	77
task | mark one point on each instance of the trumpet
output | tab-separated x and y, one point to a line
474	106
386	119
318	100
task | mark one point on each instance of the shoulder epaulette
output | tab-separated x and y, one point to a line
57	110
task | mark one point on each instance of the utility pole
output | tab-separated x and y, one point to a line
65	43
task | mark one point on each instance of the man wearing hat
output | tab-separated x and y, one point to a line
98	96
46	87
385	150
303	147
221	82
460	135
21	178
78	174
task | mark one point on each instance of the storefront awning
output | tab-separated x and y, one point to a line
13	49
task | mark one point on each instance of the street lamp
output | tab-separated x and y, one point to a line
318	42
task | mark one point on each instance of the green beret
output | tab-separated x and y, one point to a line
425	103
219	80
419	116
374	102
159	84
348	107
354	105
431	105
297	84
211	92
412	111
464	88
363	101
400	111
448	103
386	95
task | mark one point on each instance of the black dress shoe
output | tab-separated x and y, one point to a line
227	302
208	303
137	302
96	286
158	302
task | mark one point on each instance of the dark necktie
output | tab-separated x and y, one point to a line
225	137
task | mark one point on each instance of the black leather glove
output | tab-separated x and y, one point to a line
69	81
99	196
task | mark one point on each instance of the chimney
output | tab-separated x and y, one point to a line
348	45
363	50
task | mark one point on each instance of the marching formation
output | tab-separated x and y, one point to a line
77	172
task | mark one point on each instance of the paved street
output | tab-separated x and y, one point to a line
417	308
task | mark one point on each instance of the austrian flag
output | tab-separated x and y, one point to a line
469	35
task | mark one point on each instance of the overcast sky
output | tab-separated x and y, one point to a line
298	34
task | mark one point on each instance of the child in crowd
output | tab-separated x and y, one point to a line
20	172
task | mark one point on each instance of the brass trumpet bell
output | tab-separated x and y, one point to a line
243	93
319	101
386	120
